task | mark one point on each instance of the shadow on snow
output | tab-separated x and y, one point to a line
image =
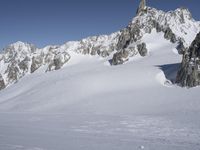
170	71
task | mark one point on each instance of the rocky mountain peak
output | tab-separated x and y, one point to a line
178	26
18	48
142	7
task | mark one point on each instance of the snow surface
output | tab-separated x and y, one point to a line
89	105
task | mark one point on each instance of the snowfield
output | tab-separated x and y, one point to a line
90	105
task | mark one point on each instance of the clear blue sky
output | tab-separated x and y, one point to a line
44	22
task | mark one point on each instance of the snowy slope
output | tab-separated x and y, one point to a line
69	97
90	105
93	78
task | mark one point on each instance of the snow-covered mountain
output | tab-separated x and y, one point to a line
91	102
20	59
177	26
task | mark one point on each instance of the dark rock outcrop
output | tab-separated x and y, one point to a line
181	48
13	72
128	35
169	35
36	63
58	61
24	65
141	7
189	73
103	53
120	57
2	83
142	49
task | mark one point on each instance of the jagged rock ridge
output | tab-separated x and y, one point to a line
177	26
20	59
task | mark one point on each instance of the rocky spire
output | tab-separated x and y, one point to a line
142	6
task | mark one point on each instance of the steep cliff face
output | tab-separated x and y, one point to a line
189	73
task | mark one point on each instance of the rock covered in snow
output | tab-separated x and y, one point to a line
102	45
120	57
15	61
58	61
142	49
20	59
189	73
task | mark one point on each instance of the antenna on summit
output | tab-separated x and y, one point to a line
142	6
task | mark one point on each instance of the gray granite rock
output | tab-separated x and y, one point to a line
181	48
13	72
120	57
189	73
24	65
58	61
142	49
128	35
36	63
2	83
141	7
169	35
